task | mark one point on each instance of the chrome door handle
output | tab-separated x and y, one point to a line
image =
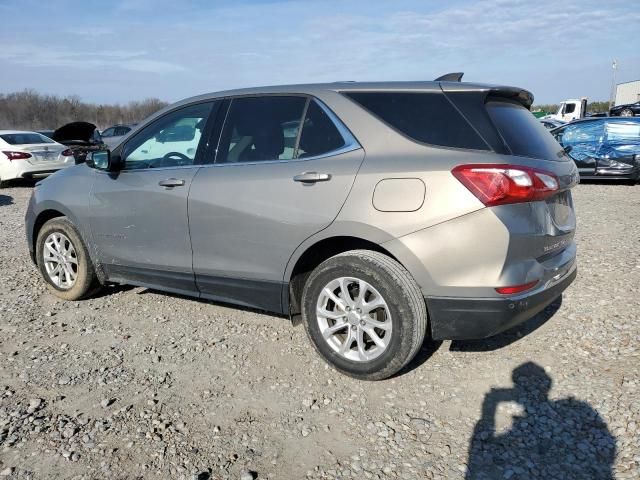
171	182
312	177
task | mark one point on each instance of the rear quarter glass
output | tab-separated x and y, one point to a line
428	118
523	133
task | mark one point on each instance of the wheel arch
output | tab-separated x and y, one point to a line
42	218
316	253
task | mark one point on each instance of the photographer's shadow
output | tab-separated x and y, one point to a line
552	439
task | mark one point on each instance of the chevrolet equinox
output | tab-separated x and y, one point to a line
375	211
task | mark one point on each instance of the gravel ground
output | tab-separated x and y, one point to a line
139	384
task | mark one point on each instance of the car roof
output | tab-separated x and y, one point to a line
313	88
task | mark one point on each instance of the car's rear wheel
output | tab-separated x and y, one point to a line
364	313
627	112
64	261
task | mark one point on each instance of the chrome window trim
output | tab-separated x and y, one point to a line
332	153
149	169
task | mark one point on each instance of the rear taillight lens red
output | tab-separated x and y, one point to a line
516	288
496	184
17	155
67	153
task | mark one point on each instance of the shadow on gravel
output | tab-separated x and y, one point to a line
551	439
429	347
23	183
105	291
510	336
5	200
213	302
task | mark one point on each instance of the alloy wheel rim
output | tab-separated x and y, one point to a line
60	260
354	319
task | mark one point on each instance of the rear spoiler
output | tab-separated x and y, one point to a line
524	97
520	95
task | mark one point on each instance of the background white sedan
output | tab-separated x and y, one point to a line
30	155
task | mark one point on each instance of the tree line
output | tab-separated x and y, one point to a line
592	107
30	110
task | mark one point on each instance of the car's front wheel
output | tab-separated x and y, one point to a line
64	261
364	313
627	112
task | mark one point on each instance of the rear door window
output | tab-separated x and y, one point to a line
261	129
522	132
424	117
319	134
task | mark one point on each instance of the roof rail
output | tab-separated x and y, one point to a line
450	77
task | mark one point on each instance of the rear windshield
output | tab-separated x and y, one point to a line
522	132
424	117
25	138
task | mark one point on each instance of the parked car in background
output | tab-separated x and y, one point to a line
550	123
629	110
30	155
111	136
265	198
603	148
80	137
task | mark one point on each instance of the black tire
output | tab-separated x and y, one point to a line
403	298
627	112
86	281
3	183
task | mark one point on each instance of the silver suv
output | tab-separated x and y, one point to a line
379	212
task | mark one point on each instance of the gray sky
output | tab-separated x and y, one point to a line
121	50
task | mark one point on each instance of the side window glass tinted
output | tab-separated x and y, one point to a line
569	107
424	117
108	132
261	129
170	141
319	133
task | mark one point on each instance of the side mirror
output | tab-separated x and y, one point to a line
104	160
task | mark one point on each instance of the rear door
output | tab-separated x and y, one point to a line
139	215
284	168
583	140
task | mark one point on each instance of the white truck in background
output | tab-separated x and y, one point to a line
570	110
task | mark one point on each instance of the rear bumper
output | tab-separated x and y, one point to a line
474	318
21	169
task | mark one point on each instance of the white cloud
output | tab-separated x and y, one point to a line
38	56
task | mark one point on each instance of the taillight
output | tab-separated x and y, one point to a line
496	184
516	288
17	155
67	153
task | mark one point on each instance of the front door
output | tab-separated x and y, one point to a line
139	215
273	184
